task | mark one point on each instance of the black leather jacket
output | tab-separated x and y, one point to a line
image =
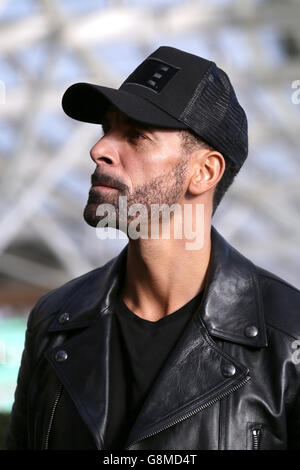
232	381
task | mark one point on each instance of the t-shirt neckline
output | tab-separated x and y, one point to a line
186	308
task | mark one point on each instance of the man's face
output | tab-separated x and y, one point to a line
145	164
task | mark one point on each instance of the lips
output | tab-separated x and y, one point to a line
102	181
102	184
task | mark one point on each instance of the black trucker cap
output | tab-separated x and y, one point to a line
171	89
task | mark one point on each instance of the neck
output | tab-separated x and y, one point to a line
162	275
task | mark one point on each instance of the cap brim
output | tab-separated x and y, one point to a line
88	102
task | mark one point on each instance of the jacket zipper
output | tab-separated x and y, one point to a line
197	410
57	398
256	433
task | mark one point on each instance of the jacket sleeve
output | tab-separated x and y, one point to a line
293	421
17	434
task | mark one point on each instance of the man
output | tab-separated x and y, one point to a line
169	345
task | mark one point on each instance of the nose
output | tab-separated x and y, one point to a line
105	152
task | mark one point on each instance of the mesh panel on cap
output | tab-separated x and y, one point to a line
215	114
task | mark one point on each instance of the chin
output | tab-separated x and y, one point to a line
89	215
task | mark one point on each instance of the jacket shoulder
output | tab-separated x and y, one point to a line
49	303
281	302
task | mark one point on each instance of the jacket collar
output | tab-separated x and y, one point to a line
232	299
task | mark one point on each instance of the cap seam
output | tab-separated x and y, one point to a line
196	93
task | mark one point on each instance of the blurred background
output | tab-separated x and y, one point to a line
45	168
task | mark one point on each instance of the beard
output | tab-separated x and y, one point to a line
166	188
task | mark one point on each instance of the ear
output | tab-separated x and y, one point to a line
208	169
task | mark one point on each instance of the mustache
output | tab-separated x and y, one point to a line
107	180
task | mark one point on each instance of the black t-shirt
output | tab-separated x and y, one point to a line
139	348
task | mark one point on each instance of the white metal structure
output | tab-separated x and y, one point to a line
47	45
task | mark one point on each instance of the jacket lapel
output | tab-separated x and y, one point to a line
85	372
232	298
190	380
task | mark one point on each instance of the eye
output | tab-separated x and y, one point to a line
135	134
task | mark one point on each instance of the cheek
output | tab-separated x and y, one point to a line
151	163
164	163
164	158
136	172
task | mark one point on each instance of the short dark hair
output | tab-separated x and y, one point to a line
190	140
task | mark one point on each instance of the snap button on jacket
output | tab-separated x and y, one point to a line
231	382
